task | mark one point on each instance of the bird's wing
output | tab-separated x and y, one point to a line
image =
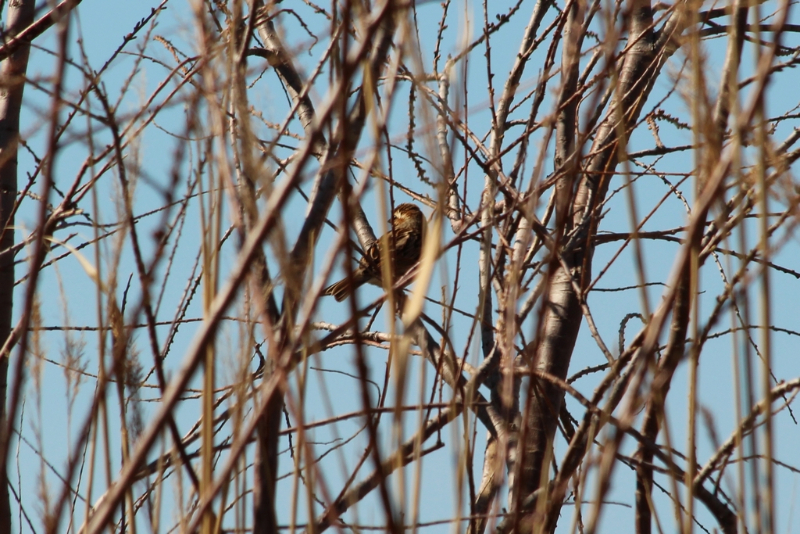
407	241
372	259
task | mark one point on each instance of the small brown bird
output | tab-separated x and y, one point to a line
405	245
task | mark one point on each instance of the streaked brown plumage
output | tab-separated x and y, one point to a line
405	245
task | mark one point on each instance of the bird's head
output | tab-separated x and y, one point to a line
407	215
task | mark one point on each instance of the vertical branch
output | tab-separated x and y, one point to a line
566	120
500	447
682	307
487	207
265	465
448	172
660	388
562	314
20	16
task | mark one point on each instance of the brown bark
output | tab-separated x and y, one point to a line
650	427
683	303
20	16
561	316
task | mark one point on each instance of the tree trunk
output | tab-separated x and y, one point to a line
562	316
20	16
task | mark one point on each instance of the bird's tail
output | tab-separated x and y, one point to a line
339	290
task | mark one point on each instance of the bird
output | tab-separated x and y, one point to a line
405	246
